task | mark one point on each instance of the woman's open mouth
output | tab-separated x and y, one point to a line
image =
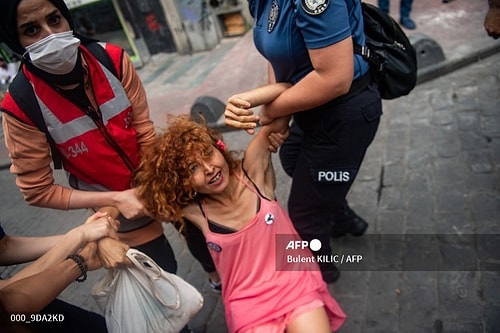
216	178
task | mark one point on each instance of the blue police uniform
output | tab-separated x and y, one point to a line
327	144
283	32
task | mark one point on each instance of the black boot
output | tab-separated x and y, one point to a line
348	222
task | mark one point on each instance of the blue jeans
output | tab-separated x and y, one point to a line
404	7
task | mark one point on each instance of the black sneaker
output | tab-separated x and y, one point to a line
348	222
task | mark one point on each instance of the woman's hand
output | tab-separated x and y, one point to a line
89	253
99	225
129	205
238	114
111	253
108	251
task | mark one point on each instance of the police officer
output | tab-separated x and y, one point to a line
336	108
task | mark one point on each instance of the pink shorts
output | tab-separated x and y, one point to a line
279	324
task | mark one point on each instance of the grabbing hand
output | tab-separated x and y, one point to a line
276	140
98	226
111	253
278	132
89	253
129	205
238	114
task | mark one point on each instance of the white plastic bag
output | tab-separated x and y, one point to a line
145	298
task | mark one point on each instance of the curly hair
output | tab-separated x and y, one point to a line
163	177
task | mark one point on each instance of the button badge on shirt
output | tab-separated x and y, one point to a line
273	15
213	246
269	218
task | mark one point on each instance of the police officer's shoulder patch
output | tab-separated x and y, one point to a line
314	7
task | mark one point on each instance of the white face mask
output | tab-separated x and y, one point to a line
56	53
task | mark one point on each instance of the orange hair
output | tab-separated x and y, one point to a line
163	177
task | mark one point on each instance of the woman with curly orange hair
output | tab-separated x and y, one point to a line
191	176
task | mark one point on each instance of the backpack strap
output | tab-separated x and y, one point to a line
364	50
22	93
368	55
102	56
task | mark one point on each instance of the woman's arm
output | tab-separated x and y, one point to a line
17	250
125	201
255	97
32	293
257	160
141	120
97	226
238	107
41	282
30	155
110	251
31	163
331	77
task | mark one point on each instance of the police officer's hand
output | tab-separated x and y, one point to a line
276	140
279	132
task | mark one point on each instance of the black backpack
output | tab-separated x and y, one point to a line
24	96
392	58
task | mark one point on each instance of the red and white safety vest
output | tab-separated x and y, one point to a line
100	151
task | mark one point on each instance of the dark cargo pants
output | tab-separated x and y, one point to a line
323	155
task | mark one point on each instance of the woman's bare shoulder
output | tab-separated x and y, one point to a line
193	213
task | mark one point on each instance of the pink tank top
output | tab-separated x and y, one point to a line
254	292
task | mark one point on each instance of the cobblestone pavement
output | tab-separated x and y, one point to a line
431	180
